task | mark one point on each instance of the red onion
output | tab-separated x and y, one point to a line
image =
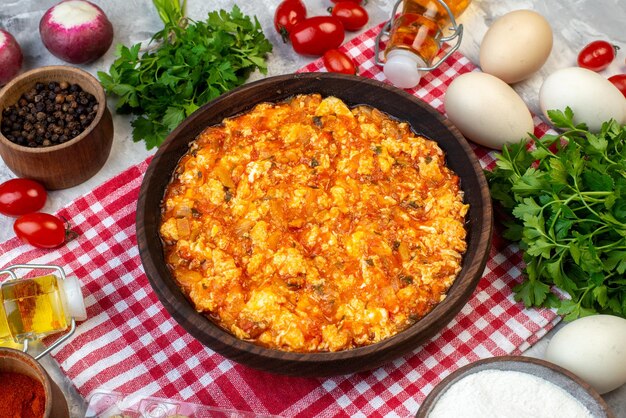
76	31
10	57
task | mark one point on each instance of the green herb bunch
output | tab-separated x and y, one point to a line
566	195
193	63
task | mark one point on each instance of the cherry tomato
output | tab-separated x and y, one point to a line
336	61
316	35
21	196
41	230
597	55
288	13
352	16
619	80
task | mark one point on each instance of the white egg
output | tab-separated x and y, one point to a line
592	98
516	46
594	348
487	110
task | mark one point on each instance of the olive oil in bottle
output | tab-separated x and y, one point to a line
6	339
415	38
40	306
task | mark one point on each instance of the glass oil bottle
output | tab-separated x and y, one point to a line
33	308
415	38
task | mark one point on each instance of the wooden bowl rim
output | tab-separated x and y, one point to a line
28	79
508	362
223	338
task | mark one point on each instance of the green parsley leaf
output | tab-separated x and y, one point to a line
191	63
566	195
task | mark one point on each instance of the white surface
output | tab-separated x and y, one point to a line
575	23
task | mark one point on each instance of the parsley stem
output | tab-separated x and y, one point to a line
568	199
596	193
582	200
613	246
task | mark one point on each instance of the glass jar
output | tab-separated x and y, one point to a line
415	37
33	308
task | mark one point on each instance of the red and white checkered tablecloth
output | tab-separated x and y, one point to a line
131	344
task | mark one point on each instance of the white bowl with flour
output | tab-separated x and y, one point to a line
513	387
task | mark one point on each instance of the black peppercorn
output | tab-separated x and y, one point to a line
49	114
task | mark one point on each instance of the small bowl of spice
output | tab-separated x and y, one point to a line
513	386
55	126
26	390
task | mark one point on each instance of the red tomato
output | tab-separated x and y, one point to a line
40	230
336	61
21	196
352	16
597	55
316	35
619	80
288	13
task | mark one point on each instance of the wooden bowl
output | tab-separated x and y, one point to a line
354	91
545	370
70	163
15	361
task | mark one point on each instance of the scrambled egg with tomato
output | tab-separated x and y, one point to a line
308	226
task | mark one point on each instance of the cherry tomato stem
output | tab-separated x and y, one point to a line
351	14
21	196
287	14
597	55
43	230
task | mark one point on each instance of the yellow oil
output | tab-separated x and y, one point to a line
419	26
6	339
33	308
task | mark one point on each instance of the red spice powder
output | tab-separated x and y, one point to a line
21	396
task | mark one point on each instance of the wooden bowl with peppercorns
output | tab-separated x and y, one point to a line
55	126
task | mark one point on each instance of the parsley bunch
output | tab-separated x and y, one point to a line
194	63
566	195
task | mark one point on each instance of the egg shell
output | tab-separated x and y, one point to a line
594	348
487	110
592	98
516	46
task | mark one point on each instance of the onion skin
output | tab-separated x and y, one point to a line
76	42
11	57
